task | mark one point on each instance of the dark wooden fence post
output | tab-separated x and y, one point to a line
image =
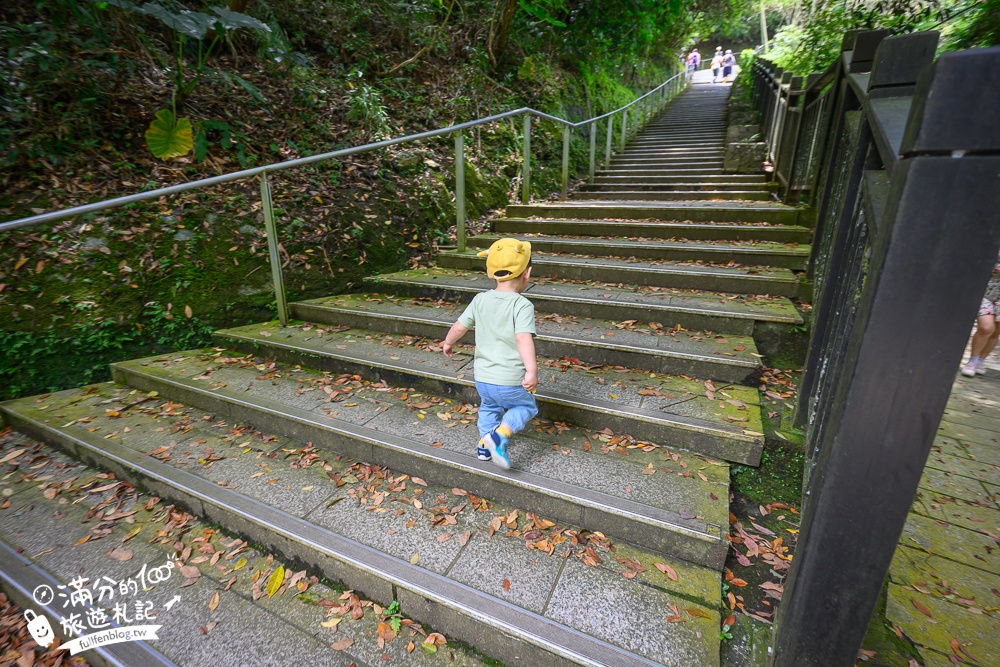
837	183
930	244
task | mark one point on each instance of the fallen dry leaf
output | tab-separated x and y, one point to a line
342	644
667	570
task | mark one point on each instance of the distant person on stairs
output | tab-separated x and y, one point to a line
987	328
728	61
694	59
717	64
506	370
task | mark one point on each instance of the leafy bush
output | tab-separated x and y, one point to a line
55	359
365	107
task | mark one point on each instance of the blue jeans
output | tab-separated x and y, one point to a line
513	406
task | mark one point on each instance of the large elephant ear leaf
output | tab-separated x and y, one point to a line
169	137
234	20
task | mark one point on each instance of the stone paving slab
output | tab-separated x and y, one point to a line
588	469
632	343
670	408
639	620
282	629
716	211
499	565
662	301
948	558
656	229
681	275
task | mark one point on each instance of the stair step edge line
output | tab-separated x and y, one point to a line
423	583
555	338
571	299
601	502
722	250
539	261
594	405
21	576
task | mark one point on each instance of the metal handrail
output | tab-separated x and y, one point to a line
675	84
61	214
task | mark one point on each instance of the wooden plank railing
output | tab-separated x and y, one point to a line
899	156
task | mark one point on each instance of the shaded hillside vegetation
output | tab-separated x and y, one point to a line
84	80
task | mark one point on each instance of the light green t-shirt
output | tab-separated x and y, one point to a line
496	318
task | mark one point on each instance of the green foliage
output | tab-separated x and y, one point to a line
57	358
229	138
811	44
778	478
168	136
973	25
55	75
543	10
365	107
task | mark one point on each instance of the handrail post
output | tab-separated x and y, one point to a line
624	127
526	161
565	162
593	151
460	190
607	149
267	207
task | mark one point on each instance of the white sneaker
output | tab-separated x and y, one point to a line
969	369
981	367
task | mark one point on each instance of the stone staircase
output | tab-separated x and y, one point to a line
605	542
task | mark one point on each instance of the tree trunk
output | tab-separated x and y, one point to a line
503	17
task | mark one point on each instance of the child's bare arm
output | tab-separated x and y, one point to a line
454	334
526	349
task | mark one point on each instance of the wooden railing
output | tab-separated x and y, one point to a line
899	157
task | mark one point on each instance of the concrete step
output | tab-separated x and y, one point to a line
673	153
656	273
656	173
675	157
377	426
754	212
584	338
676	413
783	255
686	131
680	142
674	195
641	161
666	178
677	186
423	545
62	526
659	168
709	231
689	309
680	134
665	149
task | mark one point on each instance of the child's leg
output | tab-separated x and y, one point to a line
490	412
981	345
986	326
518	407
991	343
520	410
